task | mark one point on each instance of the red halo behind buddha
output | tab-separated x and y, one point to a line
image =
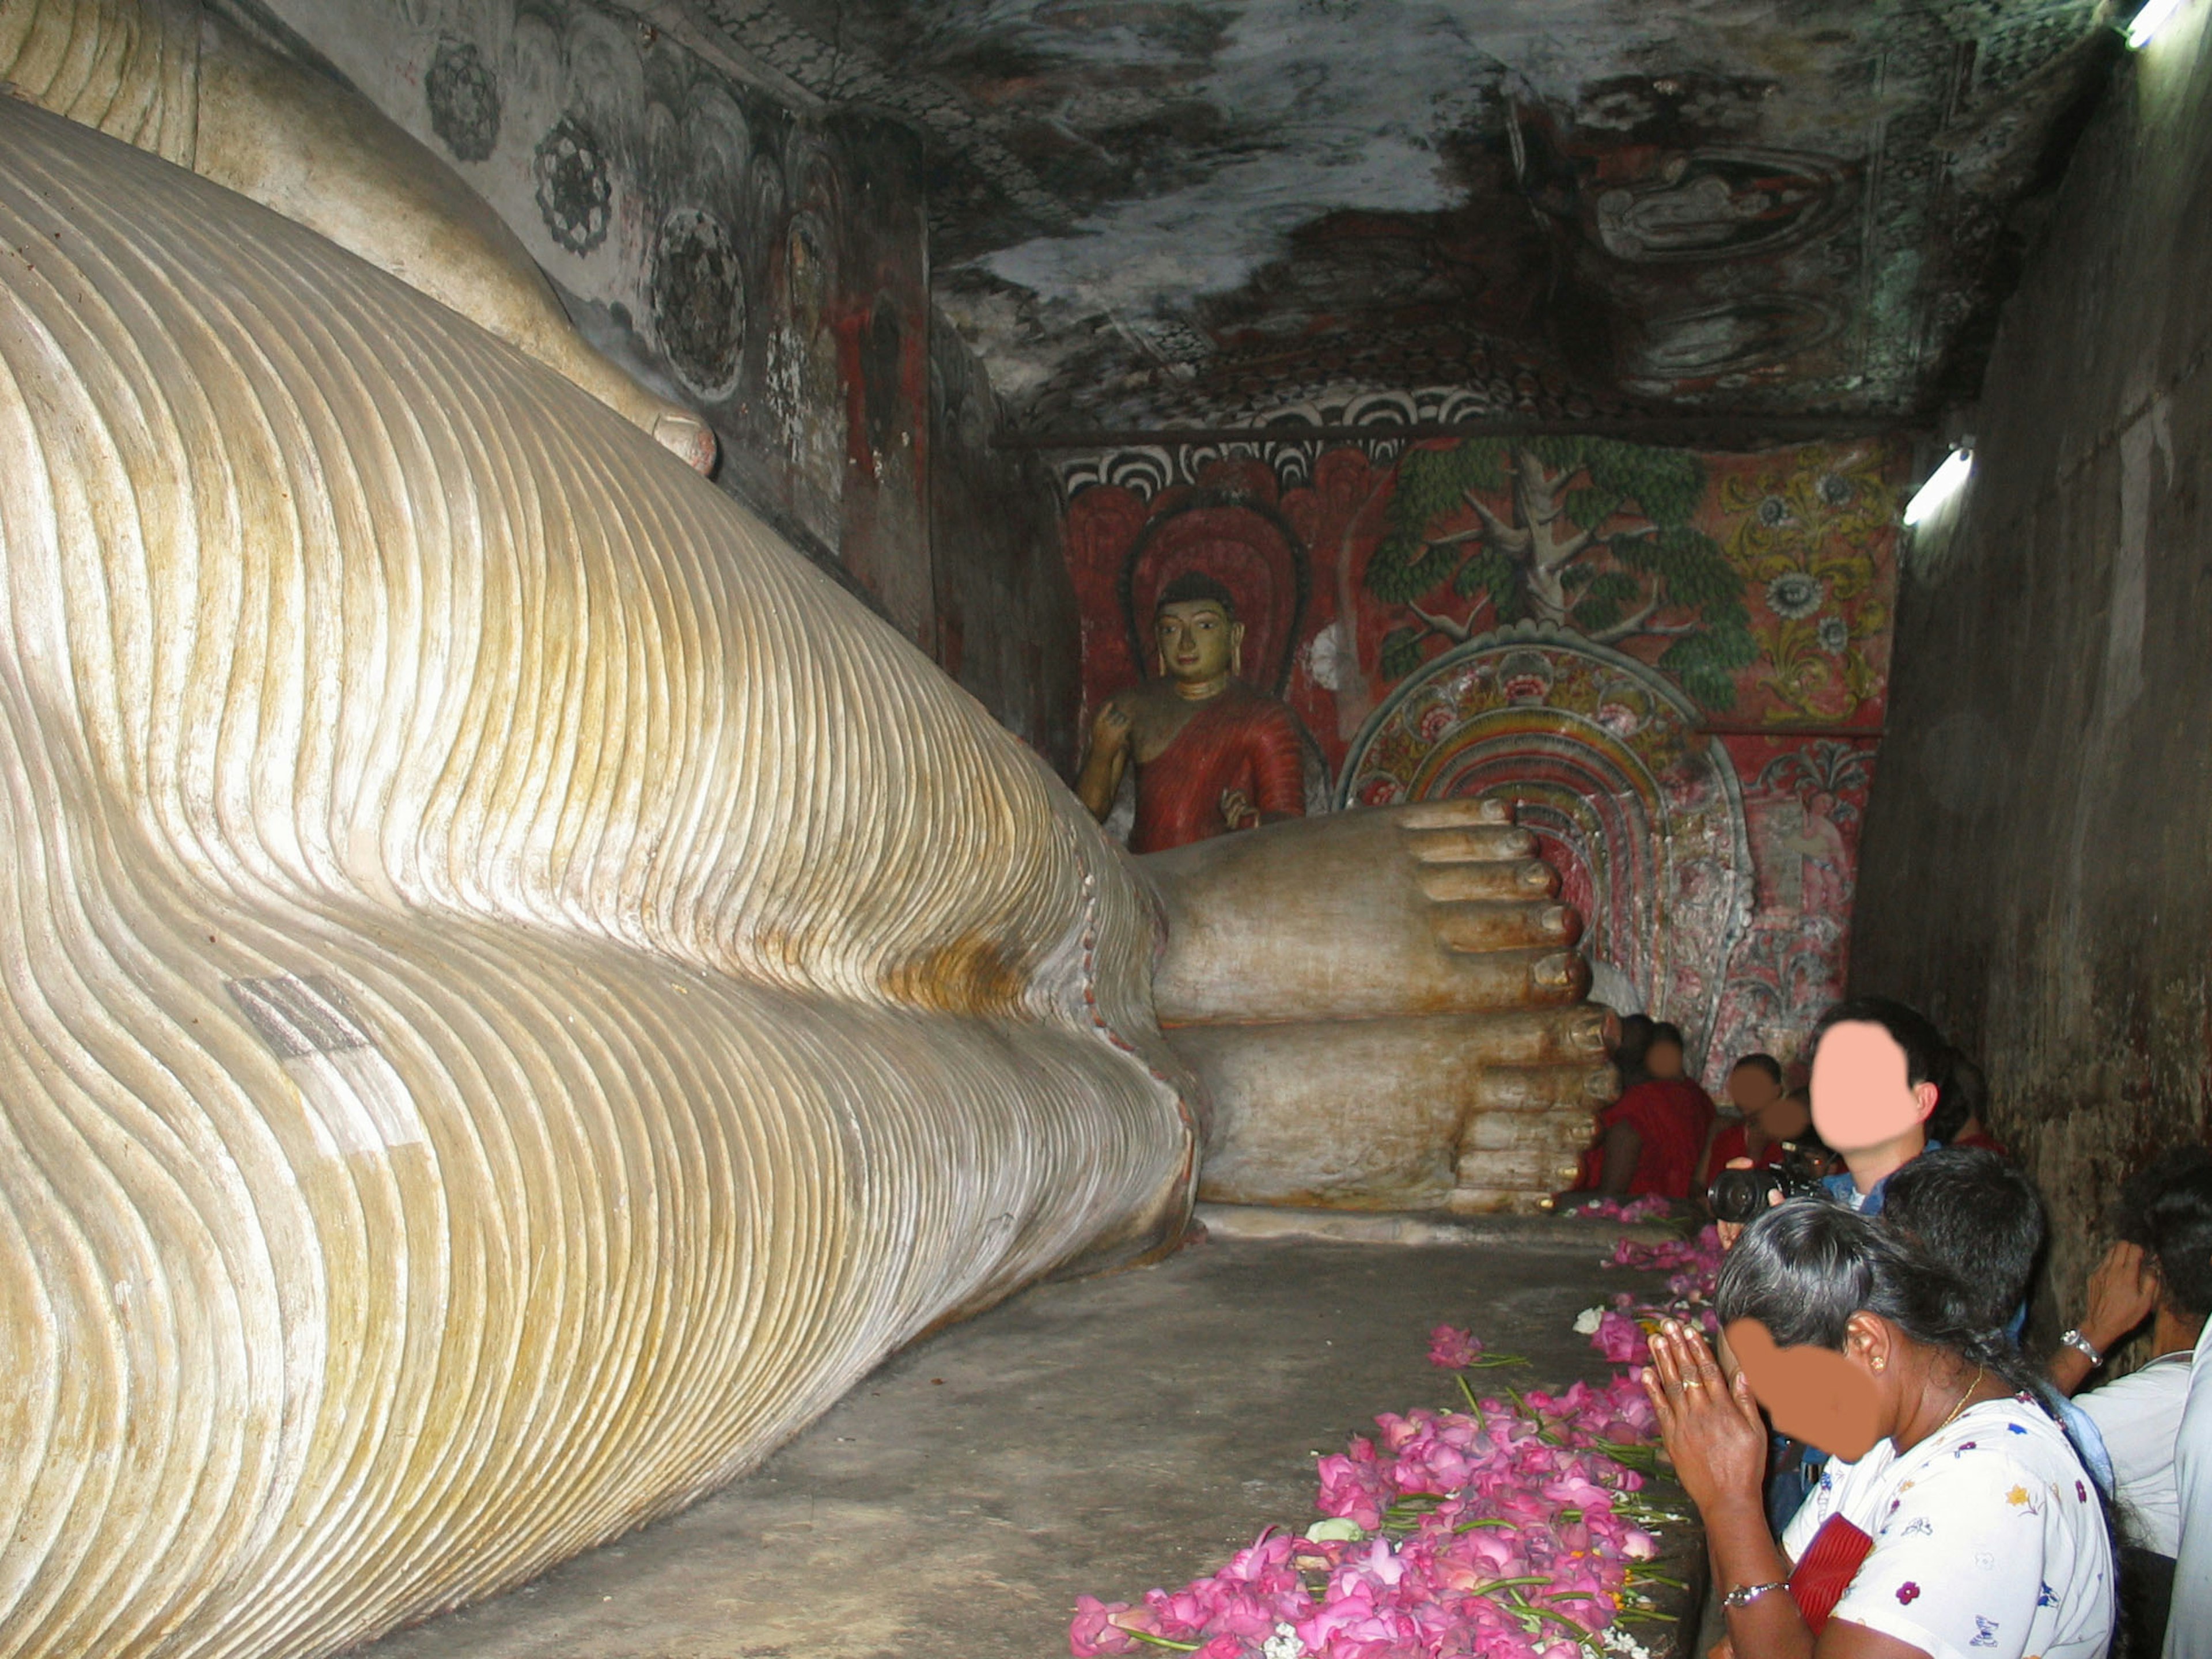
1251	552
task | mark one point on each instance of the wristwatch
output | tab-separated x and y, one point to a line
2072	1338
1744	1595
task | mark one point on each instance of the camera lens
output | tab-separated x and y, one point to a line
1739	1195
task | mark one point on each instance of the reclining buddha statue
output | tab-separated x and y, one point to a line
518	992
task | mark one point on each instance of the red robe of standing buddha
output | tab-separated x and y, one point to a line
1239	740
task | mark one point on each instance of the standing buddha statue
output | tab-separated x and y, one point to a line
1212	755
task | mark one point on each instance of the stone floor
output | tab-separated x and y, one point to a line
1104	1435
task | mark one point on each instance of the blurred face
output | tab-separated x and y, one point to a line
1663	1059
1197	640
1829	1400
1861	1096
1786	1119
1752	1090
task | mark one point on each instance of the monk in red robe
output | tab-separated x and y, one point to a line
1652	1140
1212	754
1770	1116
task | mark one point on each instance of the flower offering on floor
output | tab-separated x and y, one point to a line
1517	1528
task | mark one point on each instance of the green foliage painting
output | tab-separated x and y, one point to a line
1589	534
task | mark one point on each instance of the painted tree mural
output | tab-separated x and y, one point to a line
1588	534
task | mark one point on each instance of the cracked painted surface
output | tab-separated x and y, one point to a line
1146	212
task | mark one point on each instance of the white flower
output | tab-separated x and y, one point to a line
1835	635
1338	1528
1618	109
1793	594
1617	1640
1284	1644
1331	660
1588	1321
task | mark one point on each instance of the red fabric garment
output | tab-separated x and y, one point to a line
1672	1116
1730	1142
1832	1561
1239	740
1983	1138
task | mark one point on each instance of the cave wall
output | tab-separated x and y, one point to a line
1006	625
745	249
2034	870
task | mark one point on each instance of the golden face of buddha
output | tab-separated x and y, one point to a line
1197	641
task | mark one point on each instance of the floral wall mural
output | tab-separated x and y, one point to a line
1676	662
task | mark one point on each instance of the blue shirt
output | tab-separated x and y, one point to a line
1845	1191
2080	1429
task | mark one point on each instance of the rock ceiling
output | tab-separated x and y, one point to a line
1154	213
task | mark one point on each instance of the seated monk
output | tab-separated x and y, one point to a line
1652	1139
1212	755
1770	1116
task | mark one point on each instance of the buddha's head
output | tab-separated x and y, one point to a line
1195	628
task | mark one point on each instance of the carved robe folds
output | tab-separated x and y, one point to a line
1239	741
517	992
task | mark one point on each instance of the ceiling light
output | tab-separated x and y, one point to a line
2155	16
1943	483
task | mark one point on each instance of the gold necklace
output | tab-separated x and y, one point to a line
1980	1371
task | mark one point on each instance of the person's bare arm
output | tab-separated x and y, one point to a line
2123	1291
1623	1145
1705	1178
1108	758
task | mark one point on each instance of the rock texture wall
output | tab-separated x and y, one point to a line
514	991
2034	867
1006	625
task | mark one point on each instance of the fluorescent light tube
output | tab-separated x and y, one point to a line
2154	17
1943	483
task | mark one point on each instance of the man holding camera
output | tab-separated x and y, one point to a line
1877	1068
1770	1120
1877	1074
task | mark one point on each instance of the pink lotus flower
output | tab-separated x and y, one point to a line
1622	1339
1093	1631
1517	1499
1637	1209
1453	1349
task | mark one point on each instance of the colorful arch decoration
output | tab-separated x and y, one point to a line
1639	810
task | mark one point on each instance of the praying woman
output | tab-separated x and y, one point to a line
1955	1518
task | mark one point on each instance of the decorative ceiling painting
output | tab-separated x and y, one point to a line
1172	214
1677	663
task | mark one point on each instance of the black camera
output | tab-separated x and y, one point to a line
1742	1195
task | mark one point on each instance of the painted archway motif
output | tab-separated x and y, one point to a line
1641	814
